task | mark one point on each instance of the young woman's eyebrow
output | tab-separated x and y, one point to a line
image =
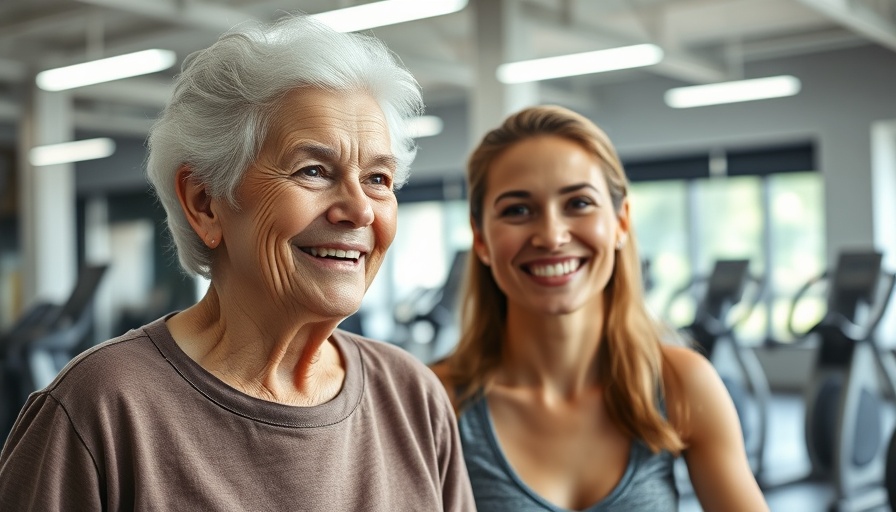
578	186
517	194
522	194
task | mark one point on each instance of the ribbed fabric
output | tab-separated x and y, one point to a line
648	483
135	424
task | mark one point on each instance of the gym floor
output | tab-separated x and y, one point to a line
786	460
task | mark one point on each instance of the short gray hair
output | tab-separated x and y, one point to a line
226	95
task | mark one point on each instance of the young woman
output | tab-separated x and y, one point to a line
567	393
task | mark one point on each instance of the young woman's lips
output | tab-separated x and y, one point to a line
554	272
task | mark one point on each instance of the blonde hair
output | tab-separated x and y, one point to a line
630	358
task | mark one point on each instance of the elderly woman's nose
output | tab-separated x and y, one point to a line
351	205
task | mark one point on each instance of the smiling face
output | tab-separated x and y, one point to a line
316	211
549	230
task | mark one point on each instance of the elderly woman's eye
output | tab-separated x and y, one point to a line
312	171
378	179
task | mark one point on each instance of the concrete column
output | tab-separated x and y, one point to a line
845	161
47	206
98	250
501	36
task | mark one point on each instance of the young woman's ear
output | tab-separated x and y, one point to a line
479	246
622	224
197	206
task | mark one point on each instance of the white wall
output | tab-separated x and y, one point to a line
844	93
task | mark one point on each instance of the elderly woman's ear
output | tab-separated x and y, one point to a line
197	206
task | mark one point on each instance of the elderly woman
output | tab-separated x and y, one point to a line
276	161
568	397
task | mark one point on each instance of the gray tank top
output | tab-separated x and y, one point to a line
648	482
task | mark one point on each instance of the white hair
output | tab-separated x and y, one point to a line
226	95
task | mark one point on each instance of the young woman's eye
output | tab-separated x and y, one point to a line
517	210
580	203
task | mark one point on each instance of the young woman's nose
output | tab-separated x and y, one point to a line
350	205
551	232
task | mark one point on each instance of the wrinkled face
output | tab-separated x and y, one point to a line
549	230
316	211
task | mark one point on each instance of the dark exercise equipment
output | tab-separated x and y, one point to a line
730	288
890	472
647	276
844	398
42	342
422	317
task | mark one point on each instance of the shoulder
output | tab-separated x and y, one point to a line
112	369
400	386
389	364
686	362
442	372
93	387
103	360
693	389
377	353
687	374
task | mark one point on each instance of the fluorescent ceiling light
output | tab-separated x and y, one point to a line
580	63
425	126
66	152
105	70
387	12
733	92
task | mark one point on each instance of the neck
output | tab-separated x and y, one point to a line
256	351
555	353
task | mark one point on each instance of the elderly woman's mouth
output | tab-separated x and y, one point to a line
327	252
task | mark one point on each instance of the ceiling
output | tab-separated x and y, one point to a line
704	41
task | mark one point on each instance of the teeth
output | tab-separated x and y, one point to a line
557	269
323	252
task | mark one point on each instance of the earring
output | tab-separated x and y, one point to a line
620	244
211	243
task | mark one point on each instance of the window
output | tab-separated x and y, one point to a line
728	224
658	211
769	209
728	221
429	234
797	249
775	220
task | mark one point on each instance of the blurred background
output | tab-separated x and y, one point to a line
787	183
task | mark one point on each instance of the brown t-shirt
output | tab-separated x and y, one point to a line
135	424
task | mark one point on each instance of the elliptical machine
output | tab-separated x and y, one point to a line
42	342
843	423
435	310
890	472
729	295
